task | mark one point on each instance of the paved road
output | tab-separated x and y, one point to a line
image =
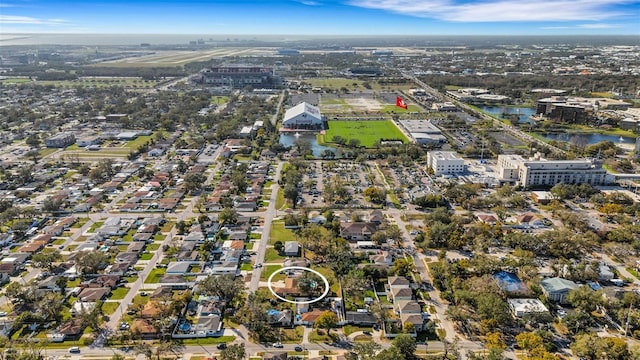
250	348
268	216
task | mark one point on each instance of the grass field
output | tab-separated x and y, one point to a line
399	110
15	81
368	132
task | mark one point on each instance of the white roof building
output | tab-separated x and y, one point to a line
522	307
303	114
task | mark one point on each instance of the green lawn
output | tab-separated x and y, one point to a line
109	307
95	226
272	256
146	256
350	329
367	132
270	269
208	341
154	276
153	247
246	267
119	293
399	110
279	233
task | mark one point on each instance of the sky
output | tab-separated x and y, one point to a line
323	17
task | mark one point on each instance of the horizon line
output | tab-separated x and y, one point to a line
290	34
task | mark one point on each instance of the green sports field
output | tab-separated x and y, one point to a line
367	131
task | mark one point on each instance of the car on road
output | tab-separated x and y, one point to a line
3	313
298	348
144	293
124	326
74	350
257	266
278	345
221	346
366	332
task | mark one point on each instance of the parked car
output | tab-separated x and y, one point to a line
278	345
74	350
221	346
298	349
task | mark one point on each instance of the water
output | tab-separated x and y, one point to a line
524	112
590	138
289	139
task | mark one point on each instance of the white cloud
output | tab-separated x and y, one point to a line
308	2
15	19
500	10
599	26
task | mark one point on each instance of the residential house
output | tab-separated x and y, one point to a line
360	318
282	318
357	231
94	294
291	248
556	289
145	328
71	329
401	293
397	282
309	318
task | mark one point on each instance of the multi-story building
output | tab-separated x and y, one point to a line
444	162
60	140
239	76
541	172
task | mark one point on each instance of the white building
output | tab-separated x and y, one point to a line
303	116
444	162
542	172
522	307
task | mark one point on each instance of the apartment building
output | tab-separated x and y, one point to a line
444	162
541	172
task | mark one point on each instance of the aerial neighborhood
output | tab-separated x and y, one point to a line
335	201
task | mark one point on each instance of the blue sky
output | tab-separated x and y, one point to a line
320	17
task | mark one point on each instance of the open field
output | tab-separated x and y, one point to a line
368	132
179	58
337	84
365	101
98	82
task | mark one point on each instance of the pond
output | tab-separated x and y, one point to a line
590	138
503	111
289	139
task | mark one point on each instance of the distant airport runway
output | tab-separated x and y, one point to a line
179	57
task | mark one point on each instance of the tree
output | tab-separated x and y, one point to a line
366	350
290	193
585	299
228	216
194	181
90	262
406	344
46	258
391	353
227	287
278	246
327	320
376	195
233	352
33	140
402	267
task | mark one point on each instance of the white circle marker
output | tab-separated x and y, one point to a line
326	284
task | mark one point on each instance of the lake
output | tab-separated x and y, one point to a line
289	139
590	138
524	112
